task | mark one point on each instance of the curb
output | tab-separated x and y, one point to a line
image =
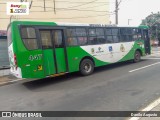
10	82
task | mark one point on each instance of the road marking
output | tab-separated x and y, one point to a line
148	108
144	67
151	58
17	80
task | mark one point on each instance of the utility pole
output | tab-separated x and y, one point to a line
116	11
129	21
44	5
54	6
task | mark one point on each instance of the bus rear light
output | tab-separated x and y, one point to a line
15	61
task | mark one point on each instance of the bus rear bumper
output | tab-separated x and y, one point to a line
17	73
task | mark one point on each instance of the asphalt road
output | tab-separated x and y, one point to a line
110	88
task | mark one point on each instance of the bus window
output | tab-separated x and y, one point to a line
115	31
71	37
108	31
92	32
81	36
101	39
115	38
129	31
82	40
71	32
46	39
139	34
135	36
81	32
109	39
58	38
123	31
29	38
72	41
100	35
99	32
130	37
93	40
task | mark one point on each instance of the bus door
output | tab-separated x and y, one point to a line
146	42
54	52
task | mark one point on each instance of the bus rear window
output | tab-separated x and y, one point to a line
28	35
9	36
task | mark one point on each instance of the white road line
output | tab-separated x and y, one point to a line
148	108
17	80
144	67
151	58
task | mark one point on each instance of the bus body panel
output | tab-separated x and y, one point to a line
41	63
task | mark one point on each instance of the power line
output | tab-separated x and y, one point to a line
76	2
96	6
67	9
83	4
63	9
67	18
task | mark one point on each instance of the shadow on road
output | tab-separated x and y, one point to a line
39	83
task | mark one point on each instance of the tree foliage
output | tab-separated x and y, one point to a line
153	21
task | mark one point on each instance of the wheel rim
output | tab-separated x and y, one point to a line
137	56
87	67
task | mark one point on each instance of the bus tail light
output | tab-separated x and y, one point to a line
15	61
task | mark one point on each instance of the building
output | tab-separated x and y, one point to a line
4	60
84	11
70	11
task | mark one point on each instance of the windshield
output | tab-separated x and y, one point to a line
9	36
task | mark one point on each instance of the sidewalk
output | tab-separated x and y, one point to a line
6	77
4	72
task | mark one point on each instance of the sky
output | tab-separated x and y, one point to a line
135	10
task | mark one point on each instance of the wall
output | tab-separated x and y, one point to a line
77	11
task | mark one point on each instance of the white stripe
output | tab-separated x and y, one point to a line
151	58
148	108
16	80
144	67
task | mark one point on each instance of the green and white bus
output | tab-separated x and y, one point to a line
44	49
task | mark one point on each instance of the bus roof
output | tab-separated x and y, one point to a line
73	24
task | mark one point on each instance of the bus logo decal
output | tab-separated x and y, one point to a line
122	49
110	48
39	67
99	50
92	50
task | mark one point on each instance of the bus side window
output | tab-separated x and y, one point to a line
81	36
139	34
109	38
135	36
71	37
28	35
72	41
115	35
100	35
58	39
92	36
46	39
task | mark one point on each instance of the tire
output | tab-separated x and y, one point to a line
86	67
137	56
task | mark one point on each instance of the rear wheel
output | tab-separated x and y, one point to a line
86	67
137	56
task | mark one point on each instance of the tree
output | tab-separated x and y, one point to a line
153	21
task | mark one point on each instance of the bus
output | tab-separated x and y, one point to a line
46	49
